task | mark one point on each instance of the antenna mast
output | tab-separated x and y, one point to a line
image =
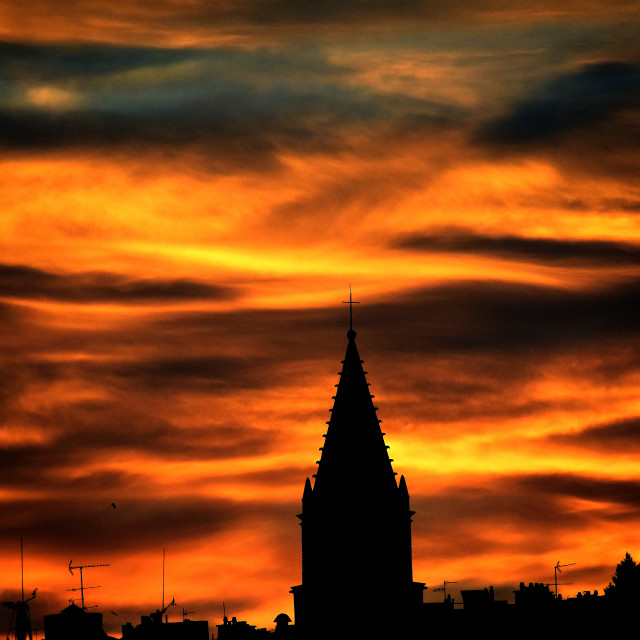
557	569
82	587
444	587
185	613
22	568
20	610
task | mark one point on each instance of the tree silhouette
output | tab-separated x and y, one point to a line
625	583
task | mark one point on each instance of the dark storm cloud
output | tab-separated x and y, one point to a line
468	350
244	119
619	436
281	476
622	493
135	412
28	283
101	66
534	505
578	100
537	250
207	354
215	97
504	329
186	372
170	370
502	503
623	204
75	432
490	316
451	524
362	13
83	525
11	313
141	358
282	335
21	62
143	20
632	205
581	118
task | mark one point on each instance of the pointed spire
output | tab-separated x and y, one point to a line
354	455
356	522
308	491
402	487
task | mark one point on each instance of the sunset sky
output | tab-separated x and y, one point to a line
188	188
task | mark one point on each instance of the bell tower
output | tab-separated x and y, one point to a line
356	525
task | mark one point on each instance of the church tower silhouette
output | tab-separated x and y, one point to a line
357	577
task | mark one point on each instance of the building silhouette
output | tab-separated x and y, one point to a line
235	629
357	575
152	627
74	623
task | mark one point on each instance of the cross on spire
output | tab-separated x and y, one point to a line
350	302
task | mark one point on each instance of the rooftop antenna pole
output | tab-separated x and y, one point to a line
79	589
22	567
557	569
185	613
444	587
351	302
82	587
20	612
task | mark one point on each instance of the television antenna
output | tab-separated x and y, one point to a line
20	610
82	587
560	584
443	588
157	615
558	569
185	613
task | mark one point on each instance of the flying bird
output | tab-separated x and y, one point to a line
113	504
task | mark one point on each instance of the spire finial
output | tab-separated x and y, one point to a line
351	333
